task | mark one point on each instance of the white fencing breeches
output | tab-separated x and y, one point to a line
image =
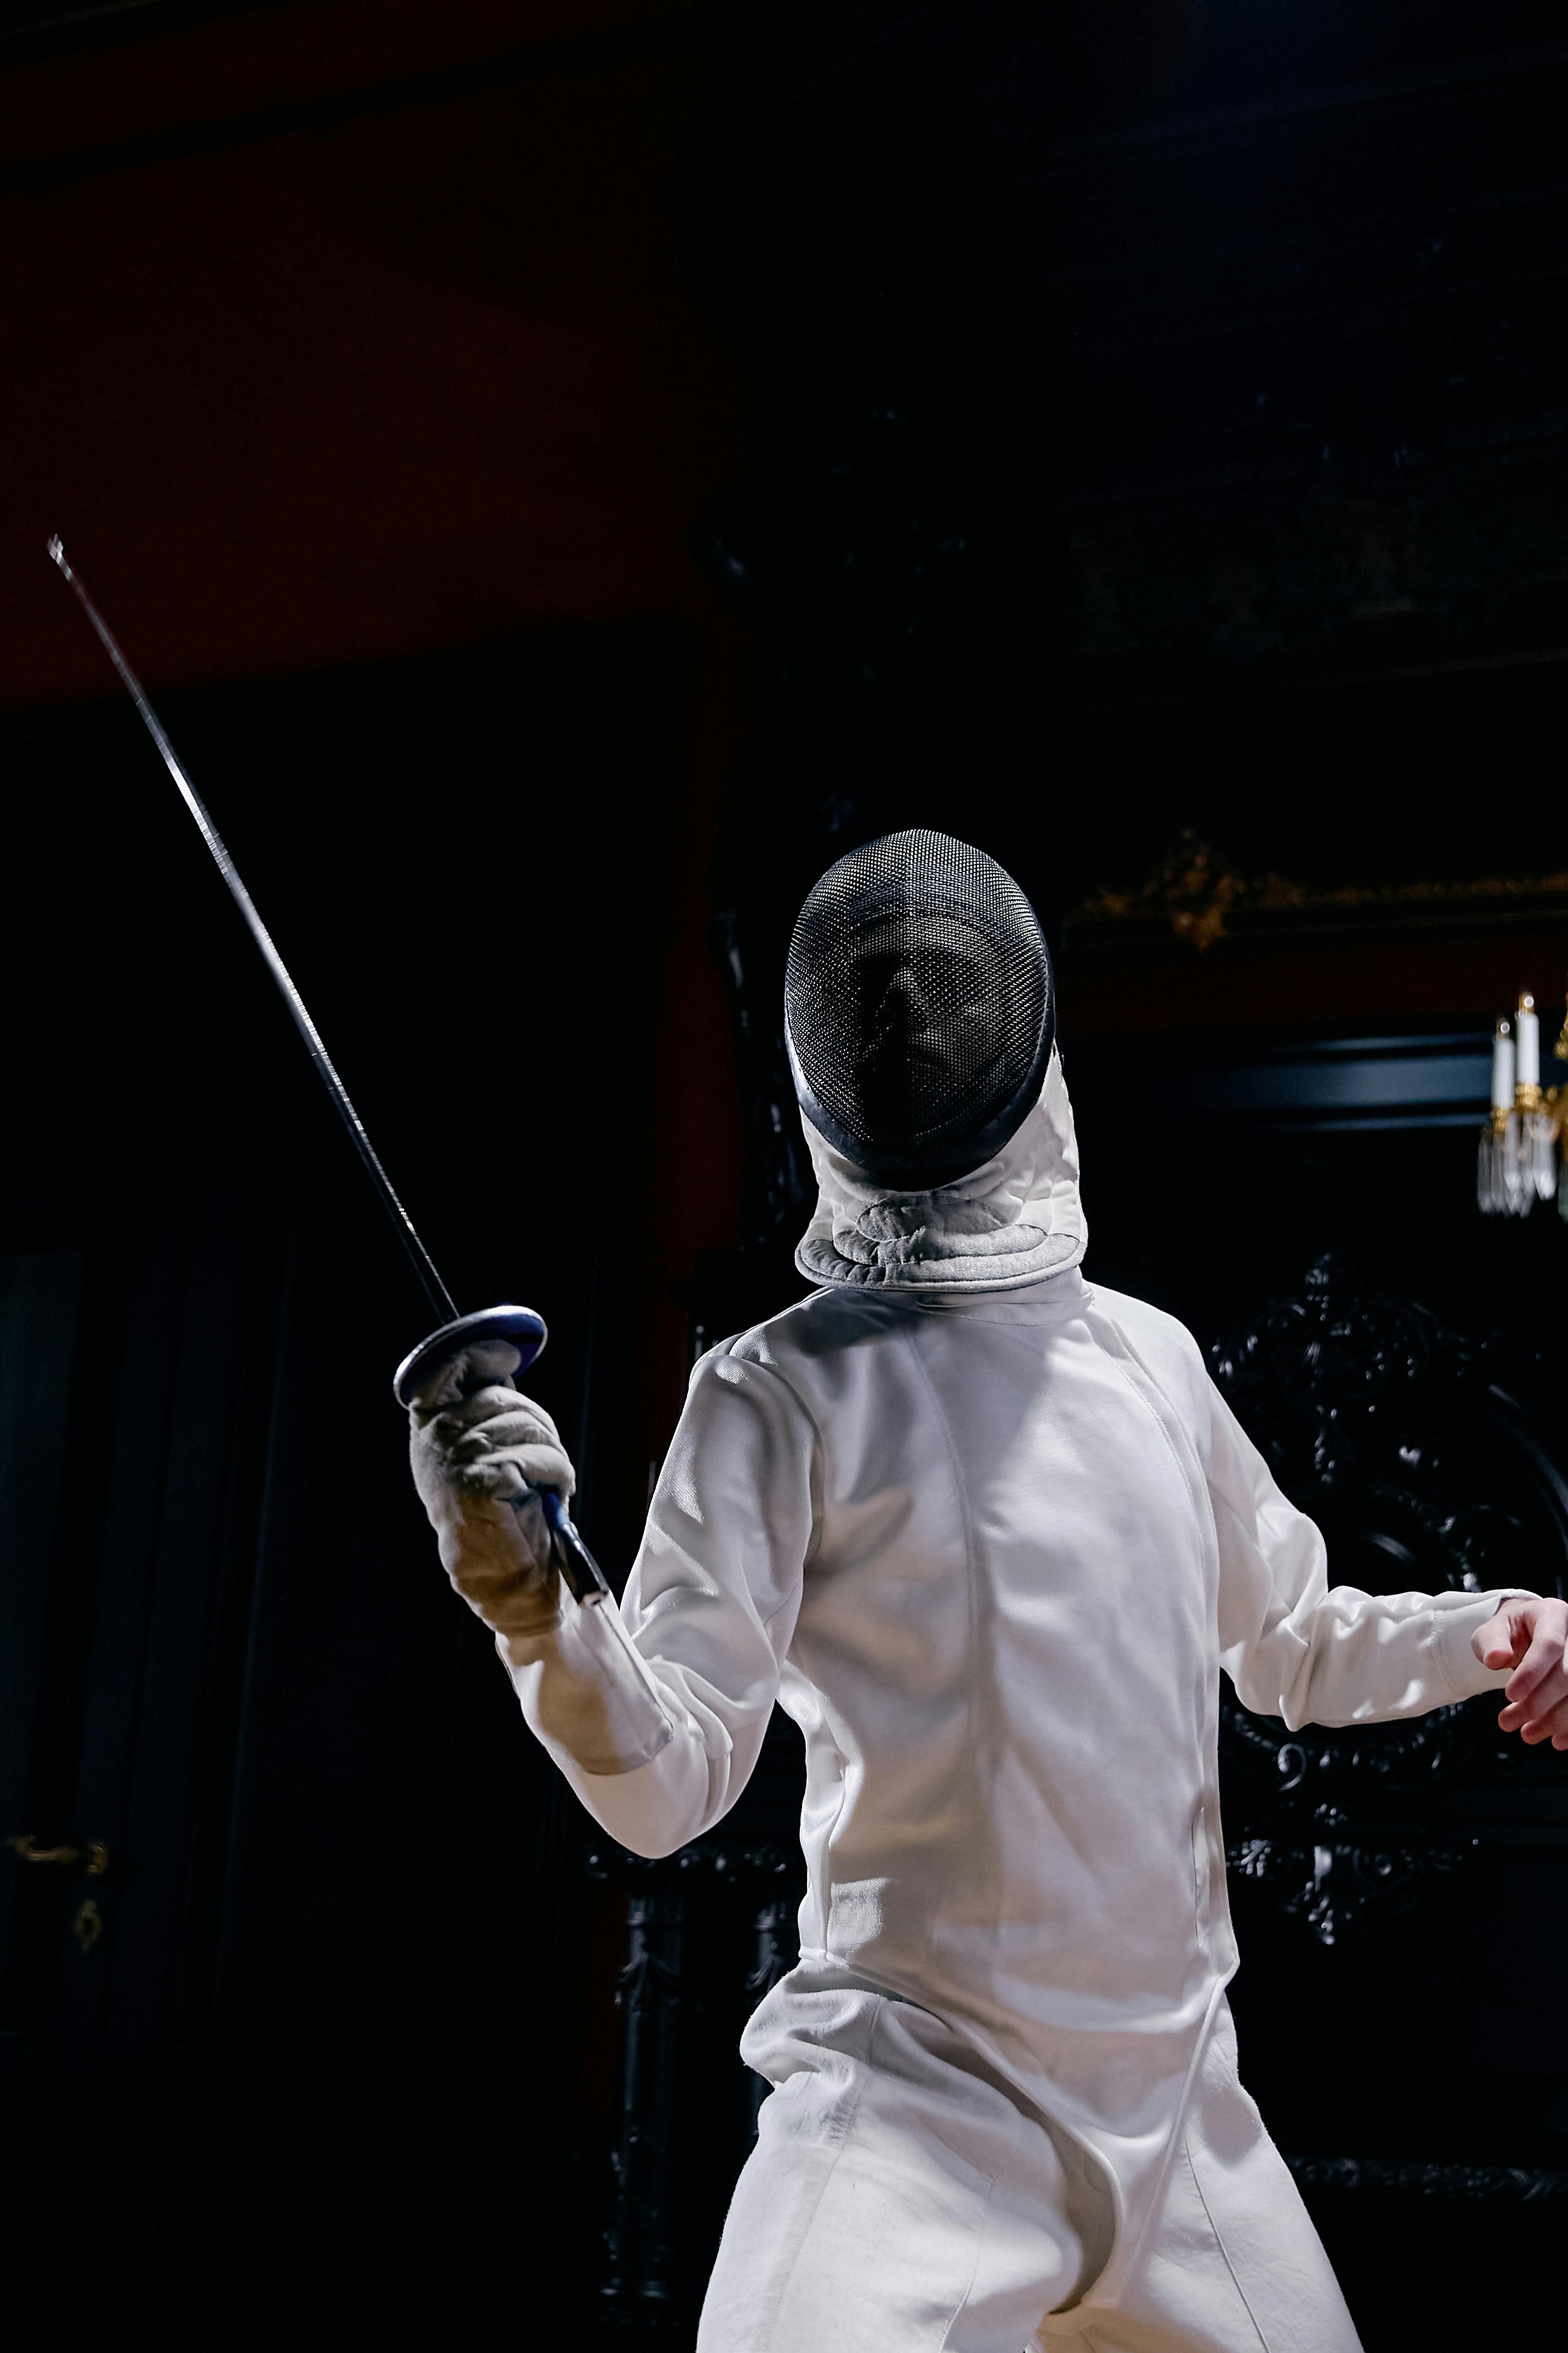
901	2198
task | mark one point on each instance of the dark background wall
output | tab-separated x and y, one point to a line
564	479
373	407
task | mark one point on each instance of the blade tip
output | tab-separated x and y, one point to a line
58	551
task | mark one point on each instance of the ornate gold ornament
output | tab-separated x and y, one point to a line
1197	892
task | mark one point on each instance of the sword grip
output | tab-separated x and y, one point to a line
584	1577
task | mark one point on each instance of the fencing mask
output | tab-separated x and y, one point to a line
919	1008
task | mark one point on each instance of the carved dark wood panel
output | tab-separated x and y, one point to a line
1425	1474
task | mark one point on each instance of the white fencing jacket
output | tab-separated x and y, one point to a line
987	1533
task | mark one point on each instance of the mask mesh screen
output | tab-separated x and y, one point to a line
915	994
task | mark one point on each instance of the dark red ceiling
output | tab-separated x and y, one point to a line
315	347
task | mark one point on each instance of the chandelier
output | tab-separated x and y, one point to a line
1518	1162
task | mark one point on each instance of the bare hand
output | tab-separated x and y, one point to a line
1531	1637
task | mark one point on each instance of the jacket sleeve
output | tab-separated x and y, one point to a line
656	1711
1297	1648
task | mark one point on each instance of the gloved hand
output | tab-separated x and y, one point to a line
475	1443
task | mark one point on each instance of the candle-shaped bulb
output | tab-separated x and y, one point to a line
1502	1066
1527	1043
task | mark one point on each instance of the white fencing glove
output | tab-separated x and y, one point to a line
477	1445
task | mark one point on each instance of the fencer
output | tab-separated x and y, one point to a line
988	1533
